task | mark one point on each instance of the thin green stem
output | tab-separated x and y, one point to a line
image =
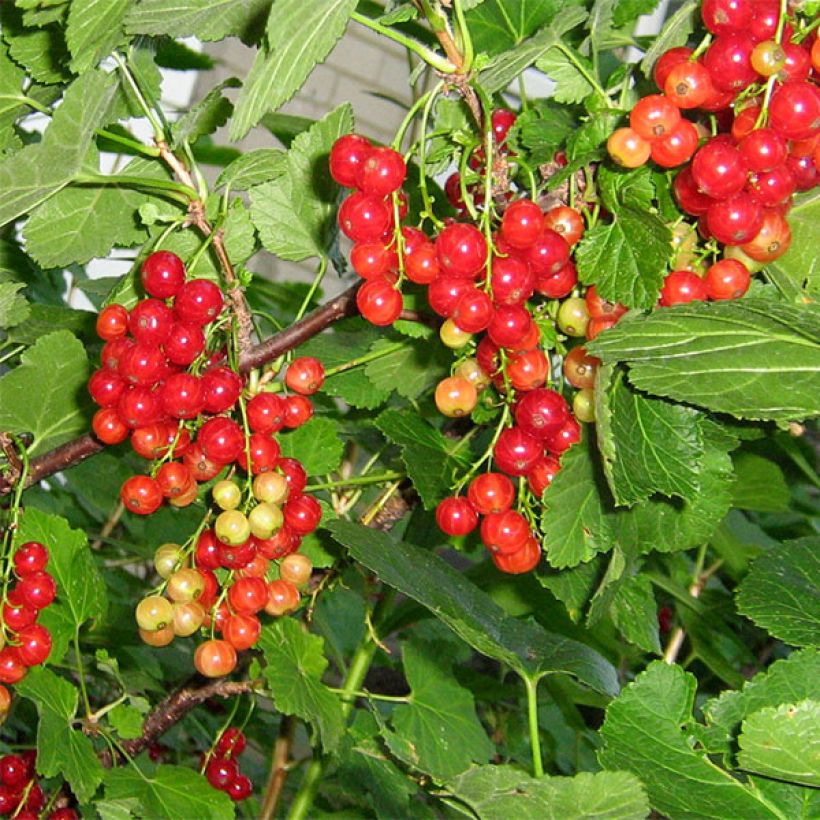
425	194
37	106
78	662
408	119
531	686
175	190
12	353
348	696
134	145
358	481
463	32
770	83
317	280
430	57
368	357
150	113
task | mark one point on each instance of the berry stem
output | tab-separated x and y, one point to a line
763	116
358	481
317	280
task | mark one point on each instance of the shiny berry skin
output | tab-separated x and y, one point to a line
580	368
279	545
763	149
728	61
239	557
112	322
628	148
12	669
221	387
215	658
184	343
294	474
30	557
667	61
381	172
455	397
34	644
797	65
677	146
445	292
248	595
305	375
455	516
516	451
221	772
113	350
372	259
453	336
298	410
719	169
566	222
541	412
735	220
13	771
421	265
598	308
150	321
504	532
18	615
379	302
722	16
763	25
654	117
560	284
690	199
548	254
491	493
221	440
364	217
173	478
182	396
542	473
240	789
473	311
106	387
162	274
265	452
198	301
511	281
266	413
522	223
772	188
346	155
142	364
681	287
727	279
141	494
509	325
560	441
461	249
231	743
773	239
501	120
522	560
768	58
527	370
794	110
302	513
688	85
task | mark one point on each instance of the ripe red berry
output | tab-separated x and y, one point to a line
667	61
522	560
511	281
504	532
473	311
722	16
561	440
264	450
509	325
491	493
566	222
735	220
542	473
653	117
12	669
794	110
516	451
527	370
34	644
199	301
728	61
381	171
298	410
182	396
184	343
106	387
681	287
727	279
347	153
215	658
522	223
141	494
221	439
501	120
248	595
305	375
150	321
142	364
302	513
548	254
112	322
221	772
763	149
163	274
379	302
231	743
542	412
455	516
364	217
677	146
13	771
719	169
30	557
461	249
266	413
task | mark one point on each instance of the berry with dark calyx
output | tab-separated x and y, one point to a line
296	569
524	559
473	311
150	321
142	364
560	284
728	61
264	454
456	516
184	342
379	302
346	155
542	412
504	532
455	397
511	281
215	658
628	148
654	116
461	249
510	325
681	287
516	450
548	254
491	493
162	274
723	16
727	279
677	146
266	413
527	370
719	169
221	439
667	61
580	368
381	171
200	466
735	220
688	85
112	322
182	396
199	301
772	240
566	222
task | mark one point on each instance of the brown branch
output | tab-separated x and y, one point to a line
279	767
79	449
170	711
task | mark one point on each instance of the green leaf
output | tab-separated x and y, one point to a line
61	750
724	356
503	792
470	613
409	367
635	613
126	721
432	460
675	32
45	319
575	520
643	734
781	593
42	51
790	679
12	105
317	444
293	212
783	742
505	67
760	484
543	128
501	25
626	259
439	724
53	408
253	168
206	19
648	445
299	36
85	222
620	187
81	591
295	665
348	340
34	173
94	30
800	263
14	307
170	792
571	84
626	12
210	113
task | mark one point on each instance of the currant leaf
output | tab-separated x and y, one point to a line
94	30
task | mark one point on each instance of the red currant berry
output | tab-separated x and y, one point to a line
198	301
305	375
516	451
30	557
512	282
677	146
294	474
473	311
184	343
298	410
174	478
542	473
722	16
34	644
12	669
422	265
248	595
773	239
266	413
794	110
548	254
735	220
364	217
688	85
221	772
501	120
667	61
728	61
142	364
628	148
681	287
566	222
112	322
491	493
182	396
510	325
558	285
504	532
302	513
231	743
522	223
215	658
527	370
13	771
381	171
240	789
541	412
561	440
150	321
763	149
727	279
521	561
654	117
106	387
141	494
346	155
163	274
221	439
455	516
461	249
379	302
265	452
719	169
372	260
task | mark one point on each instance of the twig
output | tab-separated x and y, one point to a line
108	526
280	767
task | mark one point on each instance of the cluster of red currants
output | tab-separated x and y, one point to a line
24	642
500	285
757	79
222	765
21	794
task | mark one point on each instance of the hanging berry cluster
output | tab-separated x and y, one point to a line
221	765
195	419
753	76
21	796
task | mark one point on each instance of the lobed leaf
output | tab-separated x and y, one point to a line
94	30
